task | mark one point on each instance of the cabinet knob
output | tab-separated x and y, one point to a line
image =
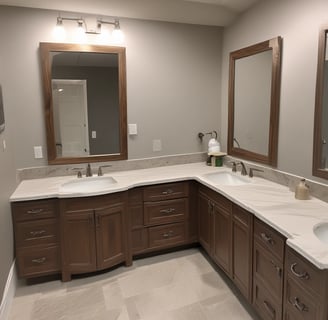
39	260
278	269
267	238
37	233
35	211
167	211
297	304
303	275
168	191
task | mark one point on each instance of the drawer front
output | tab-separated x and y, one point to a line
303	272
167	235
38	261
268	270
168	211
265	304
31	233
166	191
269	238
31	210
299	303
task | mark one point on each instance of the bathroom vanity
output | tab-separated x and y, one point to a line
250	230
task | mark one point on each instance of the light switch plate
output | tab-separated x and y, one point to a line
133	130
93	134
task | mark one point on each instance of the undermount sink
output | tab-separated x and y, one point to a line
321	232
90	184
227	178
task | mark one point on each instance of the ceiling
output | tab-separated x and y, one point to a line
207	12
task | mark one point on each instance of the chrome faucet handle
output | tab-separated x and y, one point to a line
100	173
79	171
243	168
251	170
234	166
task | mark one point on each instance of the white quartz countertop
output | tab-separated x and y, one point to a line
272	203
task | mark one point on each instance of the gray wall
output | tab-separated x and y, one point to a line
298	22
173	81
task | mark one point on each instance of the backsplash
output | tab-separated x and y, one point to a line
123	165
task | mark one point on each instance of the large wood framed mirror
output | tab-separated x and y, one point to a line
254	96
85	102
320	142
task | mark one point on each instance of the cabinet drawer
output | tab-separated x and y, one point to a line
38	261
303	272
269	270
31	233
299	303
165	191
30	210
168	211
166	235
265	304
269	238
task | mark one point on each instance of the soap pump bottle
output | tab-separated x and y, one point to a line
302	191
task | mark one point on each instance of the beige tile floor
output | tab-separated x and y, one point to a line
176	286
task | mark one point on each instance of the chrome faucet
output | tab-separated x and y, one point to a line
243	168
251	170
88	171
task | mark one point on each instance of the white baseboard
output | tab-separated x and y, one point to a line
9	293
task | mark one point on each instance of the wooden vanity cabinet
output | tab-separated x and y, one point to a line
36	232
268	271
305	289
215	227
242	251
94	232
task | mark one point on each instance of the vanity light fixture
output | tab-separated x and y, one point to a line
83	28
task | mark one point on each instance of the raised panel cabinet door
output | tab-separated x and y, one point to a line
204	222
79	241
222	239
110	234
242	251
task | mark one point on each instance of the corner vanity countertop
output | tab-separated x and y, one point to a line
272	203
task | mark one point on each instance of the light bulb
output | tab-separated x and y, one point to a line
59	32
80	35
117	35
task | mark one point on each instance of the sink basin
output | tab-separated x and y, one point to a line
90	184
321	232
227	178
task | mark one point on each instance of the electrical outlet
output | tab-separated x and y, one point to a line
157	145
38	152
93	134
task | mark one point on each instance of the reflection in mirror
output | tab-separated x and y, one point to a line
254	89
320	143
85	93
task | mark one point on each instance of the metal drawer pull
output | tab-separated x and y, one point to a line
299	305
37	233
40	260
278	269
267	238
170	210
270	309
168	191
35	211
168	234
303	275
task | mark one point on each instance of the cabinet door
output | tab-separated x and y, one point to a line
110	236
80	246
242	250
222	239
204	225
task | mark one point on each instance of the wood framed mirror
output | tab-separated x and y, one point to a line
320	142
85	102
254	97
